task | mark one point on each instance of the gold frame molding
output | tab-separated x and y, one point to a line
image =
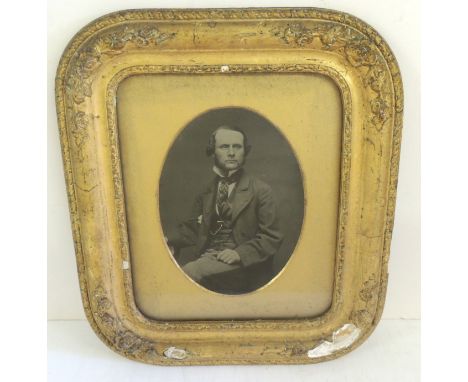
305	40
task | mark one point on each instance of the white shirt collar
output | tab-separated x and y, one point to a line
217	171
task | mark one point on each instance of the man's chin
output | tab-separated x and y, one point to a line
231	166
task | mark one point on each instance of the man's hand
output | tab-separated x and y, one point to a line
228	256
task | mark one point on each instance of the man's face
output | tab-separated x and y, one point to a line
229	151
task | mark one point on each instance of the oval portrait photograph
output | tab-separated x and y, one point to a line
231	193
231	200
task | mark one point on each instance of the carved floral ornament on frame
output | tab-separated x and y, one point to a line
230	43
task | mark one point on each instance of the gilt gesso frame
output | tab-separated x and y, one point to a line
308	40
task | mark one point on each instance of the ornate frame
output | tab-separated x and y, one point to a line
333	43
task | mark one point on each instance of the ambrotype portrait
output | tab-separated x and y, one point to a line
231	236
280	156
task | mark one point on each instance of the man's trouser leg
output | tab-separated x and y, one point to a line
207	265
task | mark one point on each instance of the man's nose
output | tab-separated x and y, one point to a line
231	151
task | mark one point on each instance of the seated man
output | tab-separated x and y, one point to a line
234	224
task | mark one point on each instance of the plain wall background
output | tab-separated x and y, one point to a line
397	21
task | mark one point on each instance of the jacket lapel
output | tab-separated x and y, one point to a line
208	203
243	195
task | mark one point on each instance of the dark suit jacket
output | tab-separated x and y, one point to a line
254	221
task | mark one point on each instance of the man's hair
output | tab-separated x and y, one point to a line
210	149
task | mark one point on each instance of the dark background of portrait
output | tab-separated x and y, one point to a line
187	171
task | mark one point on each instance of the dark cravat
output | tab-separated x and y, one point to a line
223	192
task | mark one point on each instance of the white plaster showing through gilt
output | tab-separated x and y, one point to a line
175	353
341	339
